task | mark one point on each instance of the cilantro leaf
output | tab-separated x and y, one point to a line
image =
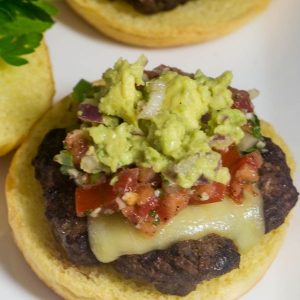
256	132
81	90
22	23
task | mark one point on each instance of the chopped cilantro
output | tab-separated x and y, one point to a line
256	127
85	89
155	216
82	89
256	132
22	23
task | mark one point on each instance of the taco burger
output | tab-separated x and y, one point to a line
163	23
151	185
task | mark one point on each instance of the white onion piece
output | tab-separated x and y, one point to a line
157	94
186	164
253	93
247	142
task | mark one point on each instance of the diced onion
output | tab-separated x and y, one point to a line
249	116
261	144
89	113
156	98
247	142
253	93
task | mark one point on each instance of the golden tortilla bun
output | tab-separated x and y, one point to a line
33	236
25	94
195	21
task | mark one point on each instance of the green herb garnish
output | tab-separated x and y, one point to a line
85	89
155	216
22	23
82	89
256	132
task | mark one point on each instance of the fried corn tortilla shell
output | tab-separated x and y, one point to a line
25	94
195	21
33	236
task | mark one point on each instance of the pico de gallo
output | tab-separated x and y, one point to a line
150	143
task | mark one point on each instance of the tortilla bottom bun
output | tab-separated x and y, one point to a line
193	22
34	238
26	93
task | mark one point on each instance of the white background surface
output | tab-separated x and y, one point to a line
264	54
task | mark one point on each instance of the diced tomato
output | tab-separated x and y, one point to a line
140	216
253	159
77	143
145	193
236	191
131	214
144	209
147	175
127	181
208	193
230	156
174	200
139	213
243	173
148	226
241	100
88	199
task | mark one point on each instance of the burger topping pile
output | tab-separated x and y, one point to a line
151	143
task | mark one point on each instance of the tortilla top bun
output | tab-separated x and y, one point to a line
194	22
33	236
25	94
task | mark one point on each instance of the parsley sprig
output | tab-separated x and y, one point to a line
22	23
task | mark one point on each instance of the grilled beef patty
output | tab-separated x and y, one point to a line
276	186
154	6
59	192
179	268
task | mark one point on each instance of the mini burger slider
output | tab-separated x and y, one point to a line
153	183
163	23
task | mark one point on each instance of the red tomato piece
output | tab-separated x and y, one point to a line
127	181
230	156
208	193
145	193
174	200
147	175
131	214
140	213
77	144
144	209
243	173
88	199
148	226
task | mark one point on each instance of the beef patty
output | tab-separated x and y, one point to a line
179	268
154	6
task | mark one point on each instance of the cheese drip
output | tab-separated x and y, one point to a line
112	236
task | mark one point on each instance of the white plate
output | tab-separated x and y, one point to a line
264	54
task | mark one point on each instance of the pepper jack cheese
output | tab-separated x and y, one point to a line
112	236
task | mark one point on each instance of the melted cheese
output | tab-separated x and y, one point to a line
112	236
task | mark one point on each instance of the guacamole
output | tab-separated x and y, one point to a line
174	123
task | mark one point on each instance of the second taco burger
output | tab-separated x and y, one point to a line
165	23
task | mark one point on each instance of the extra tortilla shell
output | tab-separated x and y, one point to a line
25	94
193	22
33	236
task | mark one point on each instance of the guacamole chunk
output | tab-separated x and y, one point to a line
173	123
